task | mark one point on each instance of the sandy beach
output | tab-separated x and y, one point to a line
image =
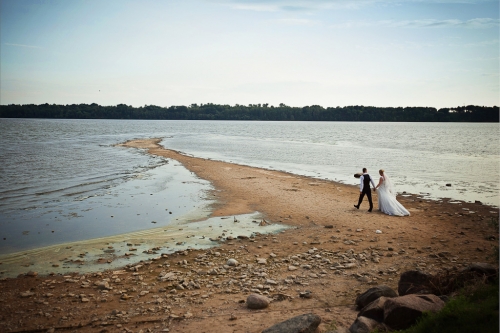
329	248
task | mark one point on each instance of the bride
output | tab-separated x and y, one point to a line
387	202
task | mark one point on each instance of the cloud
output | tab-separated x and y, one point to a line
295	21
311	5
23	45
477	23
293	5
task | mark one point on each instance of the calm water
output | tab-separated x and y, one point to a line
64	180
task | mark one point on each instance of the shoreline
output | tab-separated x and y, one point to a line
333	248
115	252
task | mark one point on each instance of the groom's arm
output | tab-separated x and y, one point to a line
361	183
371	180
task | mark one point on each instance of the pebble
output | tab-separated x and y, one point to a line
27	294
306	294
232	262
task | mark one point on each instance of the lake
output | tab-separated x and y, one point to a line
65	180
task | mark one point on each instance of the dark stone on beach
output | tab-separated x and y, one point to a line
372	294
255	301
374	310
358	175
306	323
480	269
242	237
364	325
414	282
32	274
403	312
329	226
448	184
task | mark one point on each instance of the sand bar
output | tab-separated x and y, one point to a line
333	251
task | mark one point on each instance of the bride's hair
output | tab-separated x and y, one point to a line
381	171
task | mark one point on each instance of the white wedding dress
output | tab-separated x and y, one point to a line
387	202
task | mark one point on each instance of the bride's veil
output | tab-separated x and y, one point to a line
388	185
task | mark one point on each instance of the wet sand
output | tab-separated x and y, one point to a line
328	235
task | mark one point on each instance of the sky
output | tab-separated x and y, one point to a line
386	53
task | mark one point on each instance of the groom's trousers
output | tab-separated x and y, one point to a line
367	191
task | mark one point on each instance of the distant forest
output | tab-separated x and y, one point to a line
470	113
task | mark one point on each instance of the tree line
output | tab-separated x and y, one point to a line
470	113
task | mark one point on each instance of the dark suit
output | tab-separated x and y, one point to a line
366	190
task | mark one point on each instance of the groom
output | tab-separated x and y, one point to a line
364	188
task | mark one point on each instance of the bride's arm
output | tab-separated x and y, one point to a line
380	181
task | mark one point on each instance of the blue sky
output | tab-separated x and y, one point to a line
439	53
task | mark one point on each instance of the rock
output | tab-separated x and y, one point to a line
261	261
255	301
306	323
364	325
27	294
232	262
414	282
32	274
372	294
374	310
103	285
167	276
448	184
292	268
480	269
404	311
306	294
329	226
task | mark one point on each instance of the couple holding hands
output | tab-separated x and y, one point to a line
387	202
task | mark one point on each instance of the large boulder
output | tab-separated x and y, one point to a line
306	323
374	310
480	269
414	282
372	294
403	312
255	301
364	325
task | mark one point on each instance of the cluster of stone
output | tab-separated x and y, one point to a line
383	309
167	284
